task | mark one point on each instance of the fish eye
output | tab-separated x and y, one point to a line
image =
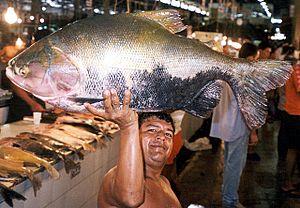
22	71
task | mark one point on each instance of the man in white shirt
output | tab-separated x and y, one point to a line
229	125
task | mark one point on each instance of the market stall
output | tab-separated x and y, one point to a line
78	188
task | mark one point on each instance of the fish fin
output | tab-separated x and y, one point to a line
51	170
36	182
9	194
80	155
100	141
88	147
168	18
202	104
259	77
69	164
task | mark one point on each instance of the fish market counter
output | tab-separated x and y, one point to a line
76	189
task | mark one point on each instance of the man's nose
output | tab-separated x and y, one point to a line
160	136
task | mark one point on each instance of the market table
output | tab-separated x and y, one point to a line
65	192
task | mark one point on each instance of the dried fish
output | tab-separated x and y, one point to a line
63	137
16	154
9	194
39	149
15	167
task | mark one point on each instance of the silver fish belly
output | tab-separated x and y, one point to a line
140	52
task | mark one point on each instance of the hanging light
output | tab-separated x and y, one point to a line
10	16
19	43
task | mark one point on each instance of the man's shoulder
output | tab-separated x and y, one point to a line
164	179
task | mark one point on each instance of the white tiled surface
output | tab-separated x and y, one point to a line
78	192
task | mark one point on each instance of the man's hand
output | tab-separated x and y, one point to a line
253	138
123	116
36	107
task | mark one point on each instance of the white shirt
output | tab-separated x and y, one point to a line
228	122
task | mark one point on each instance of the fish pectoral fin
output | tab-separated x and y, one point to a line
168	18
202	104
61	75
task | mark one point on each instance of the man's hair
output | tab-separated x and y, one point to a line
160	115
263	45
248	49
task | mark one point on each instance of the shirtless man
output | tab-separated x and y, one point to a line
146	143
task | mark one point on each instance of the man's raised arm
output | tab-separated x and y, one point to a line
125	183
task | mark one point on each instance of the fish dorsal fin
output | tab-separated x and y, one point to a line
168	18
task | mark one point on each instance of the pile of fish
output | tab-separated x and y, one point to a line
25	154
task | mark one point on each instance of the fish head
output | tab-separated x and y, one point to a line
44	70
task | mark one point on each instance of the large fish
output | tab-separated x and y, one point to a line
140	51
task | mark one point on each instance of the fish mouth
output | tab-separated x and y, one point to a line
45	81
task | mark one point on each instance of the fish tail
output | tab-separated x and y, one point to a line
79	154
36	182
9	194
100	141
51	170
88	147
69	164
253	83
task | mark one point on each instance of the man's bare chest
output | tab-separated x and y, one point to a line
160	195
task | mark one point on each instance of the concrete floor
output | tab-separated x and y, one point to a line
200	180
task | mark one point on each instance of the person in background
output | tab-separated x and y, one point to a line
292	129
146	142
286	53
265	50
23	103
9	51
229	125
250	52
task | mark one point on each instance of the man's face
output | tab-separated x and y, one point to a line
265	54
157	141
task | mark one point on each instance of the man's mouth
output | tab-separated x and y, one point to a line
157	146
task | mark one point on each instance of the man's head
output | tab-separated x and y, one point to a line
249	51
156	133
264	50
161	115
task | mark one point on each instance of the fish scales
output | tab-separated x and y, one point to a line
140	52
